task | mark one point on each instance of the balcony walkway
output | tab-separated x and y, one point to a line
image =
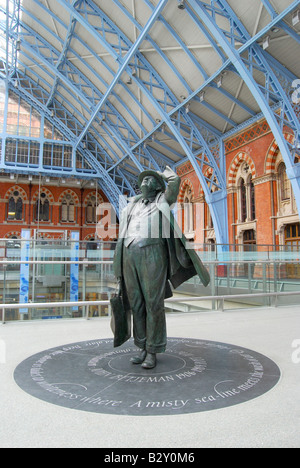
271	420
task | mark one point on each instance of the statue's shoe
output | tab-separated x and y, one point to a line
150	361
139	358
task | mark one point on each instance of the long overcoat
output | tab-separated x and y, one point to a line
183	262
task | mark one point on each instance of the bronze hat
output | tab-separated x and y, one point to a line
157	176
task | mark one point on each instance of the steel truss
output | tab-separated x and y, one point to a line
116	154
250	60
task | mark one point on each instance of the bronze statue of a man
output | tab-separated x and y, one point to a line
150	254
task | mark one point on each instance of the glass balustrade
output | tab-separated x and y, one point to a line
55	273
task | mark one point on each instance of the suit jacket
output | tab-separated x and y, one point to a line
184	263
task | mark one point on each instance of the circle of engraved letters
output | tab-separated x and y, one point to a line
115	365
184	381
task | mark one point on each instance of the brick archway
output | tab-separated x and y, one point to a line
184	184
13	189
236	163
12	234
272	154
43	190
93	194
73	195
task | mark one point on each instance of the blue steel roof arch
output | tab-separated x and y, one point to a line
59	109
169	100
256	59
74	90
281	24
193	58
119	32
206	105
182	125
157	48
110	189
124	61
97	58
106	161
277	66
147	155
62	59
16	84
259	60
147	2
45	44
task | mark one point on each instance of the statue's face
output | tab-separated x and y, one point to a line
149	185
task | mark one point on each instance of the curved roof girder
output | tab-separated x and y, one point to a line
91	69
173	113
62	59
12	19
59	75
64	116
124	62
109	187
169	101
114	185
186	50
281	24
256	59
222	91
107	162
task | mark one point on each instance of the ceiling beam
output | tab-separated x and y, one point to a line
124	64
277	121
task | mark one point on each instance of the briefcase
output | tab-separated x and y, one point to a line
120	320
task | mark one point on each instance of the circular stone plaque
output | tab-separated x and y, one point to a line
192	376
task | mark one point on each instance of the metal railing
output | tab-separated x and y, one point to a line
238	279
87	304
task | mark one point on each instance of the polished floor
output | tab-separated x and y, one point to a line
271	420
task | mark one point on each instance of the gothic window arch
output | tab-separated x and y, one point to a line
91	211
246	195
91	204
67	210
252	207
15	200
186	200
189	227
69	203
242	200
15	207
42	202
284	183
42	208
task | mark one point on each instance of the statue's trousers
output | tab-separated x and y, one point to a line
145	271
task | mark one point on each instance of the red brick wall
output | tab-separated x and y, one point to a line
9	228
257	146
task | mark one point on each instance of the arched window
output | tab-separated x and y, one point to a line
15	207
252	199
91	211
284	183
188	207
68	210
42	208
243	200
247	199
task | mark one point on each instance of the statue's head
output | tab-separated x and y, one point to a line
151	182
